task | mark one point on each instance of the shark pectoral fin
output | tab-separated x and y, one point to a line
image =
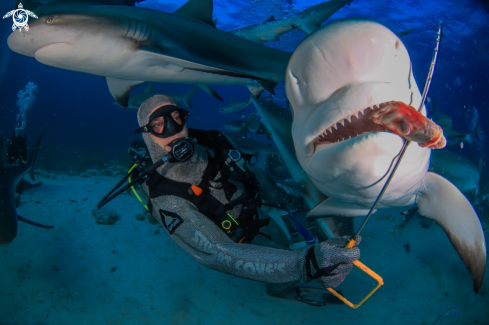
210	91
333	207
441	201
121	89
33	223
188	95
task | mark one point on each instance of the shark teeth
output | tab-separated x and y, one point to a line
345	121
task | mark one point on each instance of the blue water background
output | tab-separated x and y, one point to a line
84	128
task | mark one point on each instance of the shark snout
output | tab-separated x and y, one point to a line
22	43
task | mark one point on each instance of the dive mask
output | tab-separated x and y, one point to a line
165	122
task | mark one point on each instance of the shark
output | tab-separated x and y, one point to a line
335	79
135	100
10	176
130	45
307	21
235	105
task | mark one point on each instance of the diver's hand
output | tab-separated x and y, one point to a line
333	260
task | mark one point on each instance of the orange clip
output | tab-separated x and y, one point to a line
365	269
197	190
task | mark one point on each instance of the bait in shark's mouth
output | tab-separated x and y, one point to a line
407	122
393	116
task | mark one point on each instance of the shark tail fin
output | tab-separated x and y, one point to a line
33	155
188	95
210	91
248	103
149	89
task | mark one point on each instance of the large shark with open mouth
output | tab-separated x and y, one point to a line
336	81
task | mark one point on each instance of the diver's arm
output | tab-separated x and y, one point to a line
200	238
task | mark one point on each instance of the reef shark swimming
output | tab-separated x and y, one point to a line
353	69
10	176
307	21
130	45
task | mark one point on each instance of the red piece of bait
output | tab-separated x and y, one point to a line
407	122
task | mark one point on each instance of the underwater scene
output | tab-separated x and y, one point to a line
244	162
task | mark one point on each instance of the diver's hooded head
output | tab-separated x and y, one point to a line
155	146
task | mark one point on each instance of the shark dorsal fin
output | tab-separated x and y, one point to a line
149	89
199	10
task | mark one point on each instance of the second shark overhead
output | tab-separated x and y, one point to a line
130	45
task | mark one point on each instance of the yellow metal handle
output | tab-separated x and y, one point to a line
365	269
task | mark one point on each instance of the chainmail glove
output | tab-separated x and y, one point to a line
330	262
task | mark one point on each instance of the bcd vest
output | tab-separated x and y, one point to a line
220	167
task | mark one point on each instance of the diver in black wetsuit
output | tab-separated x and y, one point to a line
209	202
17	153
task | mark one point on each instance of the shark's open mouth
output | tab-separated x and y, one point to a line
350	127
395	117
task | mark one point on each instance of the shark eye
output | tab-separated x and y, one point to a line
49	20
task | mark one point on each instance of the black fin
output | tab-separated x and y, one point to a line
405	32
210	91
33	223
199	10
121	89
268	85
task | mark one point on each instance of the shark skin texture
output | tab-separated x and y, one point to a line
130	45
335	78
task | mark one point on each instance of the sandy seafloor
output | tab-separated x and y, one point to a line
63	275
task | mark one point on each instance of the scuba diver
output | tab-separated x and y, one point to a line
17	153
209	197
